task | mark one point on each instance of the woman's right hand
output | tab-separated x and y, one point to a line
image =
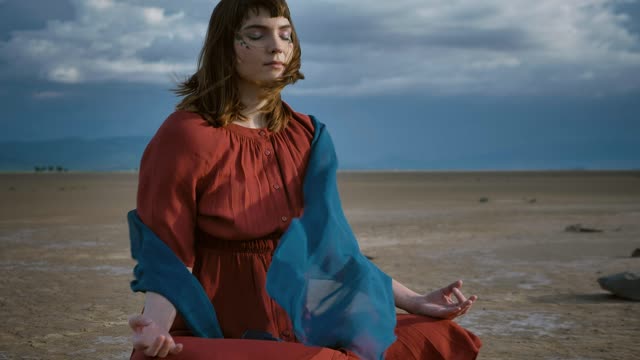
151	338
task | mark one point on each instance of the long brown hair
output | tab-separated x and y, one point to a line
212	91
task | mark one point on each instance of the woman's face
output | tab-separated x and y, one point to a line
263	47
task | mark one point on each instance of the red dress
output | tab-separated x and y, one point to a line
221	198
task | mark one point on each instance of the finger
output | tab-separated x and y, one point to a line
176	349
458	294
452	313
460	306
444	311
441	313
461	313
467	305
447	290
166	346
458	311
153	349
464	311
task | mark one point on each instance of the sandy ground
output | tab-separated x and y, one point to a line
65	264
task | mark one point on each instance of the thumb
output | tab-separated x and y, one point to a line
138	321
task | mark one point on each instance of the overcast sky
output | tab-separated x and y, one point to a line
401	84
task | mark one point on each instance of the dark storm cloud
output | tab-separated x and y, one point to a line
337	28
355	47
31	14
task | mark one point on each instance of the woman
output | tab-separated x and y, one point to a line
220	184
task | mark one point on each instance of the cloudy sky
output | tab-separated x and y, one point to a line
464	84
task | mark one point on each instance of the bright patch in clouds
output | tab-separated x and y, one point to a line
100	4
153	15
104	43
358	47
65	75
471	47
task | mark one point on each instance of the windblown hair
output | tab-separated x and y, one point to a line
212	91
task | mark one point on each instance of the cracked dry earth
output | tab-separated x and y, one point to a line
65	264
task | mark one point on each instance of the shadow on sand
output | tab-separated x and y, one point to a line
594	298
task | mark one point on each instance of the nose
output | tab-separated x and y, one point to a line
277	46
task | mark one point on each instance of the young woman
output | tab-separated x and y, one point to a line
222	181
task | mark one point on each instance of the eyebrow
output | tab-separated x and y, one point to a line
263	27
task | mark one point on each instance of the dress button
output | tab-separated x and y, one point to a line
276	186
284	218
262	133
267	152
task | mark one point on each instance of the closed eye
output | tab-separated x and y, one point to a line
286	36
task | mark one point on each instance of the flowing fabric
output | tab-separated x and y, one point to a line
159	270
334	296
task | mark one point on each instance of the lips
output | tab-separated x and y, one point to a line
275	63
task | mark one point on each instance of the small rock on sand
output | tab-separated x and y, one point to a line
625	285
580	229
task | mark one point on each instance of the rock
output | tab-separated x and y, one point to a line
483	199
580	229
625	285
636	253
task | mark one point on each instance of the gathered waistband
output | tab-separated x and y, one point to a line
266	245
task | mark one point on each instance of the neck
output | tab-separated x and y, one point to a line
250	98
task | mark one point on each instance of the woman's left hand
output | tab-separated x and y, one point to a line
445	303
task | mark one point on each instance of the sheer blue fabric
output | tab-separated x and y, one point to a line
159	270
333	294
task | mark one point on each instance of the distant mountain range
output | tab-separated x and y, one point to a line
106	154
124	153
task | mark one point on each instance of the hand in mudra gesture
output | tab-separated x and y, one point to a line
445	303
150	338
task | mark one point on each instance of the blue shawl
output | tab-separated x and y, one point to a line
334	296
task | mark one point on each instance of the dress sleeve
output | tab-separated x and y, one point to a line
170	169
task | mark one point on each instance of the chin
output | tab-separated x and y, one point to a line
271	78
